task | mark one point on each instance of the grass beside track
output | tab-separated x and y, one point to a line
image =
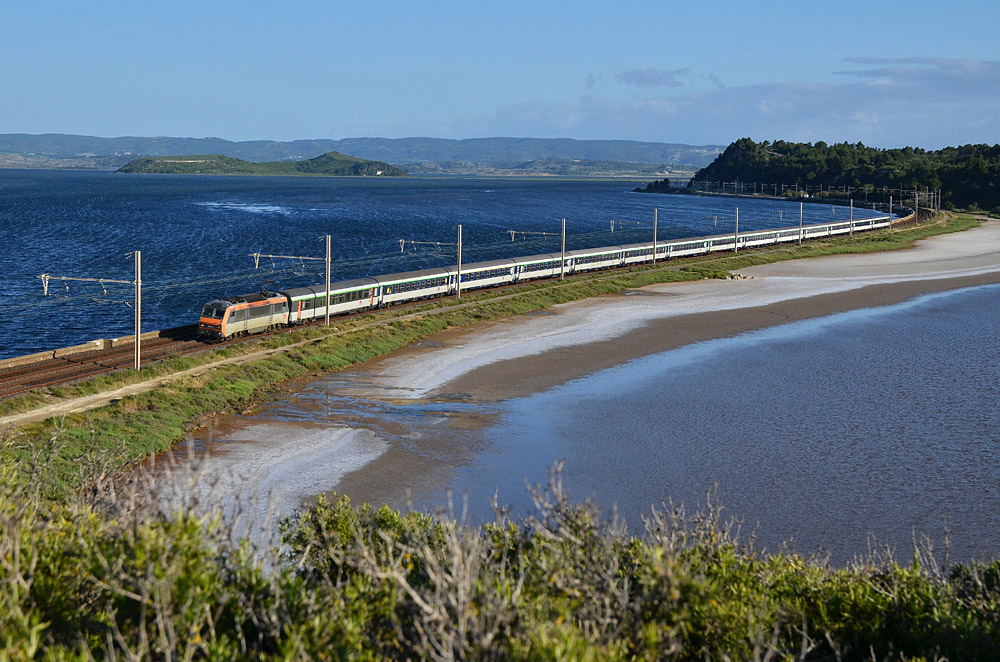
124	433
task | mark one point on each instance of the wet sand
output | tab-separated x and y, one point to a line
531	353
523	355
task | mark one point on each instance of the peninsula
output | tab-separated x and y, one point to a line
331	164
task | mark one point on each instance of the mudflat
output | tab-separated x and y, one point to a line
359	455
522	355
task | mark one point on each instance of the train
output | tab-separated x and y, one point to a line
247	314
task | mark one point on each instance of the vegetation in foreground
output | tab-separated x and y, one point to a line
104	577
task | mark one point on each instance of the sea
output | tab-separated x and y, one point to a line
198	234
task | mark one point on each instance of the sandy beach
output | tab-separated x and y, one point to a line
531	353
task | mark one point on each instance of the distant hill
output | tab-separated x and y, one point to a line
331	164
579	168
507	151
24	150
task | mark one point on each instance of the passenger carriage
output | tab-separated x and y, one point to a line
641	253
545	265
687	247
593	259
413	285
487	274
309	303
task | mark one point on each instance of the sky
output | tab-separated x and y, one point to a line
887	74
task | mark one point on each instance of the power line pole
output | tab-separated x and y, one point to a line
562	254
654	235
137	304
458	274
736	236
328	259
800	224
328	280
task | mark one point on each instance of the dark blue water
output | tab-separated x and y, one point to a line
880	422
196	235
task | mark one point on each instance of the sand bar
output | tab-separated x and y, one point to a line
357	455
527	354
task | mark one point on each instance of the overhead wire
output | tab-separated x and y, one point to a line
543	244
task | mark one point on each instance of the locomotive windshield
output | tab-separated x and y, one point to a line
214	312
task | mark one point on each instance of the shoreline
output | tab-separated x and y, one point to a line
532	374
520	356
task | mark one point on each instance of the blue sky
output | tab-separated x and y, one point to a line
884	73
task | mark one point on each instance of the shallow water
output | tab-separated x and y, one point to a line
874	424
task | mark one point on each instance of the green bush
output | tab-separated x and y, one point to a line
106	577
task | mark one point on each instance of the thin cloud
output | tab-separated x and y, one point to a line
591	80
652	77
944	76
929	102
715	80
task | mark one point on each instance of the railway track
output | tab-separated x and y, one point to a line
63	370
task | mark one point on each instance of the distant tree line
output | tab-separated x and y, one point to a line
968	176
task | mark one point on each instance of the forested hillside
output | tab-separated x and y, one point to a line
969	175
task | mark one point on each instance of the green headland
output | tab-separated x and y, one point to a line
331	164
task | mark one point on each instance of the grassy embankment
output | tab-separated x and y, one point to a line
145	424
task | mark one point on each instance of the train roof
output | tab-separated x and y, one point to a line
690	240
542	257
632	247
413	275
313	290
602	250
255	297
490	264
